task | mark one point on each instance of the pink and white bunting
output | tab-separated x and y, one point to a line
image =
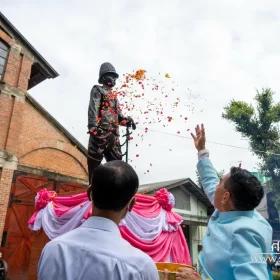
151	226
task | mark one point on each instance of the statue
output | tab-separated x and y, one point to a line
104	118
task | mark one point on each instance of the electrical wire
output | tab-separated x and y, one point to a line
212	142
161	132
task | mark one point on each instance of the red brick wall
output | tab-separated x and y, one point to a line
19	63
6	177
54	161
24	128
38	143
30	124
13	66
26	132
6	105
25	72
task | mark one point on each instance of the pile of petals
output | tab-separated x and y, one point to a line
151	226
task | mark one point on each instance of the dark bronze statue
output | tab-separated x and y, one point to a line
104	118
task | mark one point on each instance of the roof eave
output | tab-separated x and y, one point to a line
51	72
197	192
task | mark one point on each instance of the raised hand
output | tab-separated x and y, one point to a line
199	137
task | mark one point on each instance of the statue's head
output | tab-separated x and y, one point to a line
107	75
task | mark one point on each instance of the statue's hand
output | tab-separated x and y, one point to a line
131	123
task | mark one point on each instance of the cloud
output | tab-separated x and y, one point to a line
220	50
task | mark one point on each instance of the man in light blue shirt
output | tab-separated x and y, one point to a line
238	237
96	250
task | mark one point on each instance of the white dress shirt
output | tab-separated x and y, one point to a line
94	251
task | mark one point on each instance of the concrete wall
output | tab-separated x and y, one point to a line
195	217
196	235
197	209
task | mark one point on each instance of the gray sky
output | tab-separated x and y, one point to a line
220	50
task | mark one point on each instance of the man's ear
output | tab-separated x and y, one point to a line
226	197
89	189
131	204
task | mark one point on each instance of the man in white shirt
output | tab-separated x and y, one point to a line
96	250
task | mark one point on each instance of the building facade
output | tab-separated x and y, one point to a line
35	151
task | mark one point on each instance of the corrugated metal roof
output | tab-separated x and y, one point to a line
185	183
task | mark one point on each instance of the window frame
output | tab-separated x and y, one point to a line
187	193
6	60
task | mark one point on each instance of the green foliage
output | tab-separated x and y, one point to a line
260	126
220	174
276	275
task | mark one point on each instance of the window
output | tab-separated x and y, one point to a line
3	57
182	199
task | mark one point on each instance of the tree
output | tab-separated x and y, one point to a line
260	126
220	174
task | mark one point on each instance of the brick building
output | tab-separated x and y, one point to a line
35	151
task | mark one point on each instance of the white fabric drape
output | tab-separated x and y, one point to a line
144	228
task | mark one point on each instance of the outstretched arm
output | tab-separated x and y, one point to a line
206	170
208	174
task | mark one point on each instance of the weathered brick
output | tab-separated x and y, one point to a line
6	176
25	132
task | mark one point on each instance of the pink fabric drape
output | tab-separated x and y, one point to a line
167	244
151	226
62	204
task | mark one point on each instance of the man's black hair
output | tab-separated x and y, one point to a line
113	185
245	189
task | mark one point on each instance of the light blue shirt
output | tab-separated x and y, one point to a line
94	251
234	240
